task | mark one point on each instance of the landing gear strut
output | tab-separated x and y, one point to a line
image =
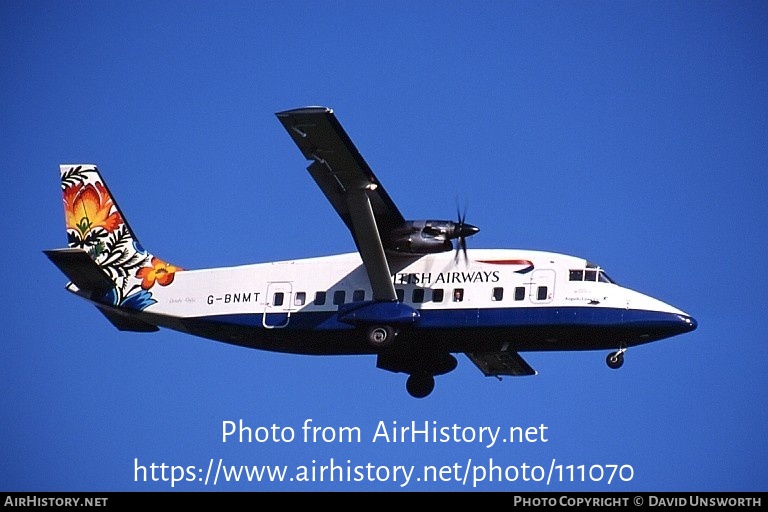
615	359
420	385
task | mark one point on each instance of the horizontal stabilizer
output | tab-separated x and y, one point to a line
78	266
127	323
493	364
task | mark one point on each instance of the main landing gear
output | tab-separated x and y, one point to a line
421	379
403	352
420	385
616	359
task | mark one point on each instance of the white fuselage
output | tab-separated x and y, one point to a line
490	279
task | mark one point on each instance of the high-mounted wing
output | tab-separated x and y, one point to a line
351	187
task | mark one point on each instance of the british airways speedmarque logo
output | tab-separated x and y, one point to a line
527	263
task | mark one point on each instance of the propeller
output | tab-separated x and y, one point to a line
461	230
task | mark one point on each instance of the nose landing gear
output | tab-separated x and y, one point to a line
615	360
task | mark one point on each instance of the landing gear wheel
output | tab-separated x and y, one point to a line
381	336
420	385
615	360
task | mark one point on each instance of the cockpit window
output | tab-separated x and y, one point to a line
591	274
603	278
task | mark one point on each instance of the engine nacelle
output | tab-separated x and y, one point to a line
429	236
423	237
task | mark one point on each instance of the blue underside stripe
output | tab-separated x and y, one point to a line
467	318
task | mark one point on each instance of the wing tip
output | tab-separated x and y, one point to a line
305	110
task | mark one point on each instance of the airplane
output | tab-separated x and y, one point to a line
412	294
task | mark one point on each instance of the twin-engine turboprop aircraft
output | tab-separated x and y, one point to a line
412	294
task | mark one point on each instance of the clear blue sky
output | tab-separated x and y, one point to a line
633	133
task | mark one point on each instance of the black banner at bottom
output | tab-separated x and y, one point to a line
533	499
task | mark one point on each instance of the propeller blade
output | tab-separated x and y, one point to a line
461	231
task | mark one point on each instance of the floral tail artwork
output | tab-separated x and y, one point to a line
124	273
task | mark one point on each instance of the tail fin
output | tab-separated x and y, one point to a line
104	260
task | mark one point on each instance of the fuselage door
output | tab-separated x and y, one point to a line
542	286
278	304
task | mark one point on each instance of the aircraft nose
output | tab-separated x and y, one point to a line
688	322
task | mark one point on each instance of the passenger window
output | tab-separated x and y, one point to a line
338	297
520	293
319	298
358	296
437	295
541	293
300	298
418	295
498	293
277	299
400	294
576	275
458	294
